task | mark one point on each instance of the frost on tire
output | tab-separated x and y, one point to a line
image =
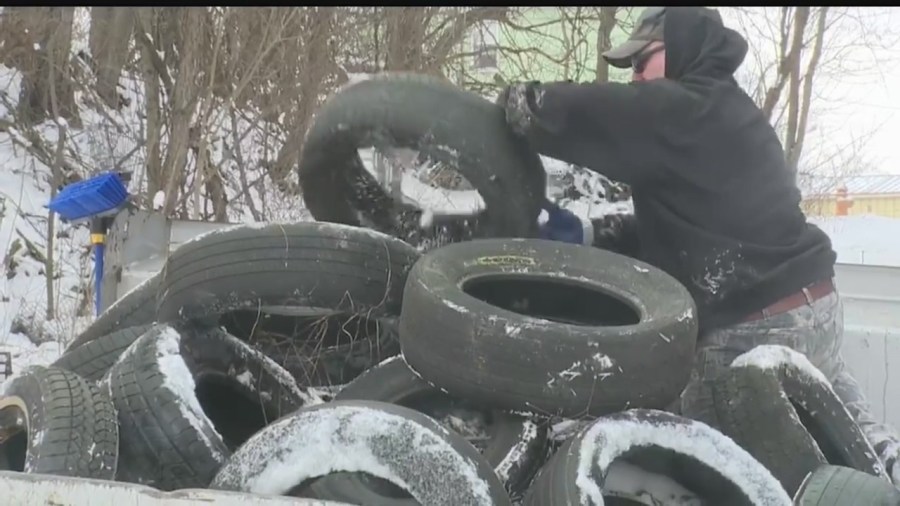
188	396
689	453
397	444
808	395
751	407
548	328
513	444
54	422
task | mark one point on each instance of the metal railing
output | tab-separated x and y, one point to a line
5	364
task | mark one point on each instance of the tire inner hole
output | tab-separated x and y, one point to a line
317	350
13	432
299	333
832	452
653	475
233	411
554	300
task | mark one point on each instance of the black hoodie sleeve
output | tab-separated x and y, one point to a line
611	128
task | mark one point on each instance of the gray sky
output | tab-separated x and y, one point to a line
855	99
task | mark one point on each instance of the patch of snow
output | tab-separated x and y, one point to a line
438	200
178	379
245	378
566	428
518	451
159	199
25	354
689	313
610	437
350	231
426	219
631	482
775	357
341	437
595	366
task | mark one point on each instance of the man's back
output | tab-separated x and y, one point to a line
726	218
716	206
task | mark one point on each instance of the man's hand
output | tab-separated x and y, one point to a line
618	233
565	226
520	101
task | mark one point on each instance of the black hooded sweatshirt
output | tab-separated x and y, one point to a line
715	204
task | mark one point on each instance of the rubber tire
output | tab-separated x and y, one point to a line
443	121
71	424
658	437
515	450
92	360
440	467
166	442
842	486
835	431
322	265
358	346
506	360
137	307
752	409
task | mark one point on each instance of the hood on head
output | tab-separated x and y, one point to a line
699	44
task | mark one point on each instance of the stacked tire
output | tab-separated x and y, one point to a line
329	361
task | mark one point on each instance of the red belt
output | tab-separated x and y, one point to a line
805	296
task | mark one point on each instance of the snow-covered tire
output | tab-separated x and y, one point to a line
690	453
442	121
752	409
316	265
92	360
318	351
437	467
137	307
602	331
842	486
807	396
187	397
54	422
515	445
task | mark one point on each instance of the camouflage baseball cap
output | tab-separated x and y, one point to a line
649	27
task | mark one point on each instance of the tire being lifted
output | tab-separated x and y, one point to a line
447	124
549	328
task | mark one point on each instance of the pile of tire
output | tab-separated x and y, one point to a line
496	371
334	362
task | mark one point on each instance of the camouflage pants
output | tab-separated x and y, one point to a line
816	330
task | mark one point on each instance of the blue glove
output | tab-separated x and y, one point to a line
565	226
